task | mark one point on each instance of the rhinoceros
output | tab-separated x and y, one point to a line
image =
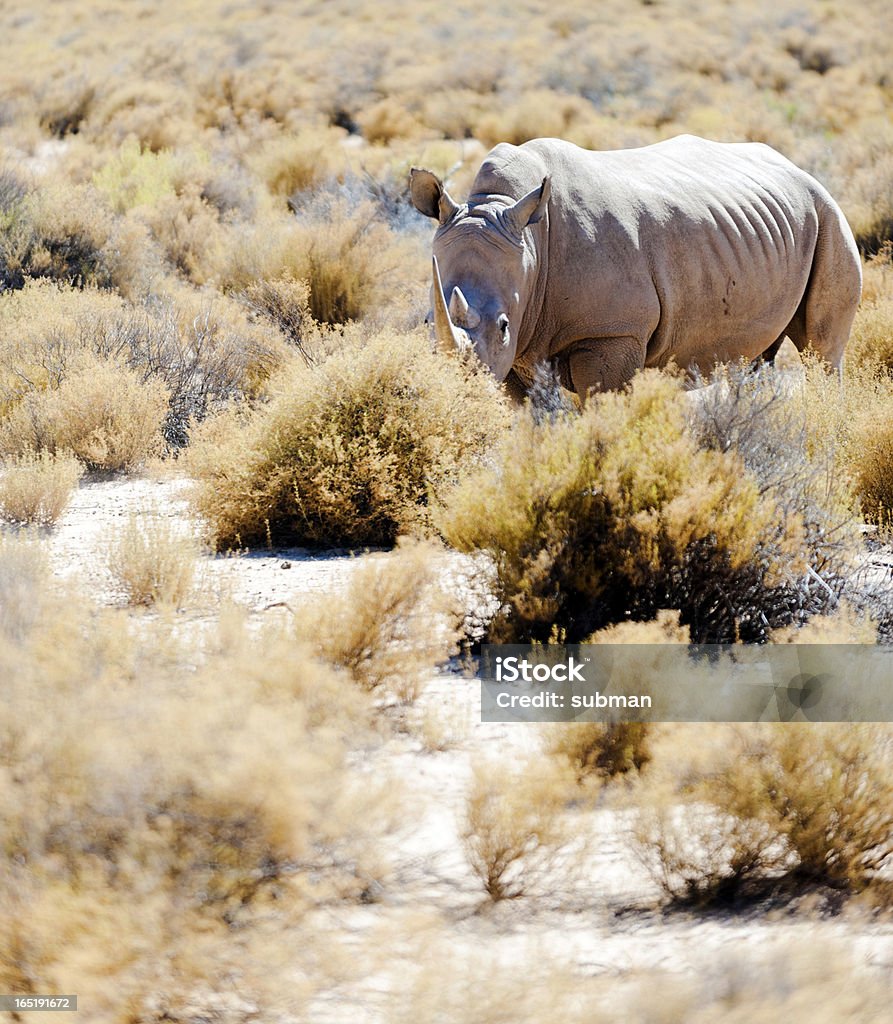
601	263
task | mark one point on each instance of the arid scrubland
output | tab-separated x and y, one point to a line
208	257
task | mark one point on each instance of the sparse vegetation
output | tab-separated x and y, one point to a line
515	834
390	627
36	488
153	561
178	802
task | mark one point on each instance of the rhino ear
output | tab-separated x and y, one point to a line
429	195
530	208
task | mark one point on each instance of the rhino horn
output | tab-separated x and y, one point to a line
449	339
461	313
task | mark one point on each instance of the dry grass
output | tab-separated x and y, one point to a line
102	412
186	810
770	807
153	561
350	449
785	979
37	488
599	749
390	627
515	832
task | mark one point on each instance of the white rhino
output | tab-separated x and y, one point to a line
601	263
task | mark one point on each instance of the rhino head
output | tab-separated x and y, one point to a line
484	268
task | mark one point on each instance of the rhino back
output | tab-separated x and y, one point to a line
702	249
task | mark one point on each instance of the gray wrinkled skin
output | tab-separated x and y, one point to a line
601	263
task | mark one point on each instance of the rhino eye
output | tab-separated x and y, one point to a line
502	323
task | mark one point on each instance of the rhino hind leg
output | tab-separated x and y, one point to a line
604	364
825	315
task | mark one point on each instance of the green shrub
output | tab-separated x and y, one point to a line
348	451
618	513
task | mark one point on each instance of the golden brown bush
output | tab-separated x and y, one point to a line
203	354
189	232
348	451
102	412
37	488
291	164
60	233
871	342
390	627
852	422
354	264
784	806
152	561
620	512
600	749
284	302
515	834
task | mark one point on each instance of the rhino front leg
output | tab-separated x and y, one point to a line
604	364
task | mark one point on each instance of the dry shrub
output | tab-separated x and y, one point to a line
782	807
871	342
854	424
784	979
877	276
340	244
285	303
288	164
526	987
387	120
514	833
390	627
349	450
600	749
441	728
188	229
37	488
152	561
348	257
203	354
102	412
60	233
619	512
185	813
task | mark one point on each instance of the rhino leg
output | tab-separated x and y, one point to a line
604	364
825	314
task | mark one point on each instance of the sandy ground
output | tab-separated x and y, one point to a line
603	925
